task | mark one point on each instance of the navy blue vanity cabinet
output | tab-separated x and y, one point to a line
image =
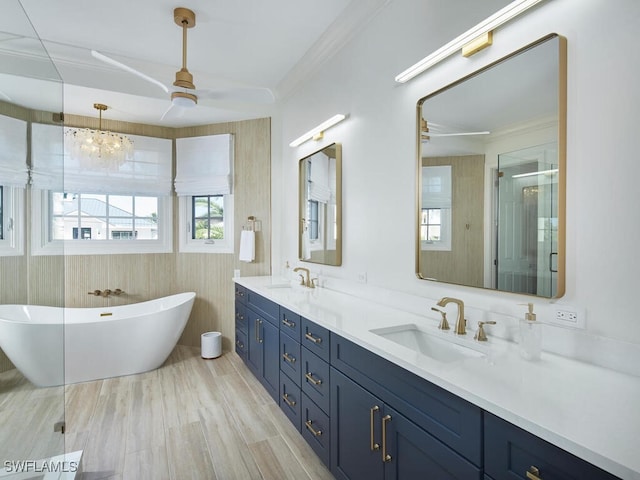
513	453
263	341
371	440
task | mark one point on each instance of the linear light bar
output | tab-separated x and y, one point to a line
318	130
502	16
531	174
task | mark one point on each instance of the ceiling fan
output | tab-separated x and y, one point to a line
183	92
426	134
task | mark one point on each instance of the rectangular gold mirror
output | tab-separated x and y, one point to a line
491	175
320	211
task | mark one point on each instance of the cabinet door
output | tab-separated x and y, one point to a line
355	431
512	453
410	453
254	343
270	336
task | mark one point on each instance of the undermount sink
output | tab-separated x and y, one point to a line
430	344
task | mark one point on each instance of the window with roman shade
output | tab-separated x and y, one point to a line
203	183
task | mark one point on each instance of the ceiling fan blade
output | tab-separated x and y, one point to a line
458	134
239	94
173	111
126	68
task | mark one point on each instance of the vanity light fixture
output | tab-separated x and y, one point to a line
531	174
317	132
478	37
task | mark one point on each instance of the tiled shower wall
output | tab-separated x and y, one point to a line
57	280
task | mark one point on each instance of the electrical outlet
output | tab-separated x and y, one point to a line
362	277
568	316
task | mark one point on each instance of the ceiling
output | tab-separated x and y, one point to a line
244	43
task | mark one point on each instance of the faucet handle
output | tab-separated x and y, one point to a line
480	335
97	293
301	279
444	324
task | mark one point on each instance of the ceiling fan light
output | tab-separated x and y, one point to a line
183	99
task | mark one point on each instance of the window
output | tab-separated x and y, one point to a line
313	222
11	214
203	184
78	216
106	209
14	176
435	216
206	224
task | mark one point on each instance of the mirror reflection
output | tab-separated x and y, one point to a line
491	172
320	220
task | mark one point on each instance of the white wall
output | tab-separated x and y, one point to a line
379	156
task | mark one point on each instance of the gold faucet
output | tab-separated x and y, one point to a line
459	329
305	280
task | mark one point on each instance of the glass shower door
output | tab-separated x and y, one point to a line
31	416
528	221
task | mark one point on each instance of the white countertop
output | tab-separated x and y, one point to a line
587	410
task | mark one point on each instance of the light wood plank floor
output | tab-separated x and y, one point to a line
190	419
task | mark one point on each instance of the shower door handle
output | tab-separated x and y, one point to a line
551	262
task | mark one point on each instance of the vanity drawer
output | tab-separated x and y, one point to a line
241	316
315	379
290	323
289	401
263	306
315	429
241	343
315	338
451	419
290	361
241	293
510	452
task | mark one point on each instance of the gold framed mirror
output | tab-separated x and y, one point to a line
491	173
320	208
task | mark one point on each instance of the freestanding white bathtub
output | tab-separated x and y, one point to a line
98	342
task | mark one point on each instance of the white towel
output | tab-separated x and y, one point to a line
247	246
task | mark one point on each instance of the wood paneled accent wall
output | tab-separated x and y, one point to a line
464	264
65	280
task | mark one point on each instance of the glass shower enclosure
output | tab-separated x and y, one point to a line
31	418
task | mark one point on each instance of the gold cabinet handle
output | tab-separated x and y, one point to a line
289	358
385	456
285	397
309	336
239	344
533	473
309	376
372	412
257	324
288	323
316	433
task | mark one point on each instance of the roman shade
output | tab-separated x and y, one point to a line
204	165
13	152
55	168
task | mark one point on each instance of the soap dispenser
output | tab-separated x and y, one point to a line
530	335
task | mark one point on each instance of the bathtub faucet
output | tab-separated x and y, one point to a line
106	292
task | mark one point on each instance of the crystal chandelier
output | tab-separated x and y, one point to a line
99	148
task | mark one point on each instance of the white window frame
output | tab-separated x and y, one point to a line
14	233
186	244
42	244
444	244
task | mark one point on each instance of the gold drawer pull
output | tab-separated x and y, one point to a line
289	358
309	376
316	433
239	344
533	473
310	336
285	397
288	323
372	411
385	456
